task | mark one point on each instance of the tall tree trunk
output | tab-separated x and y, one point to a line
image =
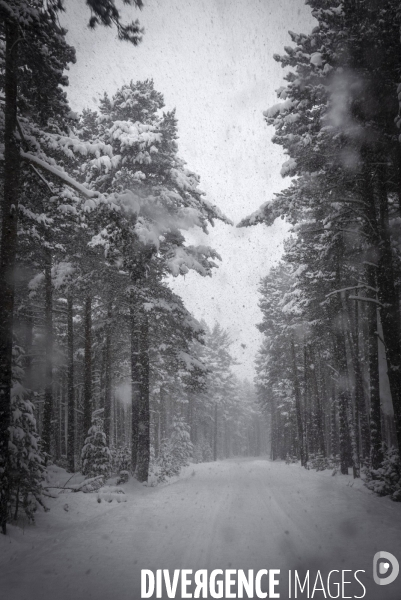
87	420
347	405
333	426
361	418
352	409
340	355
157	436
372	266
307	420
108	374
135	379
191	402
28	348
48	404
56	420
353	440
343	430
144	412
319	427
376	451
272	430
12	166
388	296
163	414
215	433
310	405
298	408
227	428
70	387
258	448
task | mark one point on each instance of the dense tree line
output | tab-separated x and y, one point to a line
101	365
329	368
33	58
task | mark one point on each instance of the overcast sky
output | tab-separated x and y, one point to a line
213	61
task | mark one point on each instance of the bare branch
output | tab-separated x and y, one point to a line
365	299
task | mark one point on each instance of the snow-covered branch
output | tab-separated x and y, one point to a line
66	179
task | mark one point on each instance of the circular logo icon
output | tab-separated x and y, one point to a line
385	568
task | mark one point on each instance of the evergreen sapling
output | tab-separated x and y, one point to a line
96	456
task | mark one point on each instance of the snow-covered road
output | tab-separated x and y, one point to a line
238	514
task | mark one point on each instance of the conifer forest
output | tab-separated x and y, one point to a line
117	396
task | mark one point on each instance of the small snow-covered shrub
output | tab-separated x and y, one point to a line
202	452
334	464
197	454
122	464
96	456
386	480
181	442
207	452
175	451
166	465
122	477
122	459
26	457
321	463
291	459
62	462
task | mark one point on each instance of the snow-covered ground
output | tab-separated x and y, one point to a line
238	514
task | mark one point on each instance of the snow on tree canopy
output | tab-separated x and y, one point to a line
317	59
197	258
288	167
280	108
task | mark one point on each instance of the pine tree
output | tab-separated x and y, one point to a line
34	60
181	443
34	44
335	121
123	464
96	456
26	457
